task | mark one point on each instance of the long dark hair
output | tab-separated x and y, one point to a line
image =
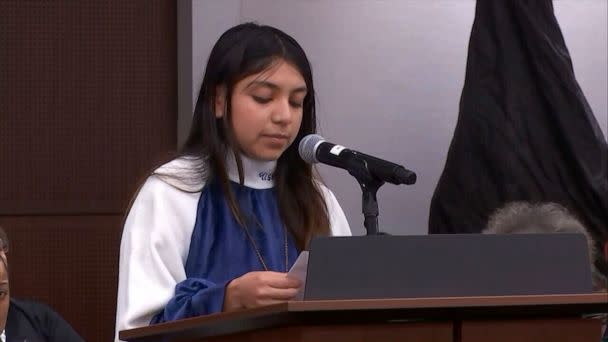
242	51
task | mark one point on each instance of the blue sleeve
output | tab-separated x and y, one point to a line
193	297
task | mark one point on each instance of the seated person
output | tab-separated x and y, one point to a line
524	217
24	320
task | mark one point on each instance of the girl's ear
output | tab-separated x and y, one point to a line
220	101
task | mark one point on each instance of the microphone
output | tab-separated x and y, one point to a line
314	148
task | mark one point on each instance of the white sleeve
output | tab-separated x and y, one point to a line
337	220
153	251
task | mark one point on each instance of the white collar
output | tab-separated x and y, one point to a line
257	174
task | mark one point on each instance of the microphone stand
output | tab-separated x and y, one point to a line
370	205
369	187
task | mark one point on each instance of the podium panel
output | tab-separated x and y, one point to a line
451	265
533	330
390	332
554	318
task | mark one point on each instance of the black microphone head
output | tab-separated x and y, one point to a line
308	147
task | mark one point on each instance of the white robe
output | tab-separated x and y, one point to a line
156	238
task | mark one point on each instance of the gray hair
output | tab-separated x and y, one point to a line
542	218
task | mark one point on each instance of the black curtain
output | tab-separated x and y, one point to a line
525	130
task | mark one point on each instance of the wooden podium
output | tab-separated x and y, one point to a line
550	318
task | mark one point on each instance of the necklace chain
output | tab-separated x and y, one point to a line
257	250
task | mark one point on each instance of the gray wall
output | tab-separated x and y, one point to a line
388	75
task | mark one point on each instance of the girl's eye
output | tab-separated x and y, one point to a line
261	100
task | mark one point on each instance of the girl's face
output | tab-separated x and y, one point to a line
266	110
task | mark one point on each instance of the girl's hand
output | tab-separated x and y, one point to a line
255	289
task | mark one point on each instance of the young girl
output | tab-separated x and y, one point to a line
217	228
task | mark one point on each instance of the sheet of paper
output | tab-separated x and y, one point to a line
298	271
